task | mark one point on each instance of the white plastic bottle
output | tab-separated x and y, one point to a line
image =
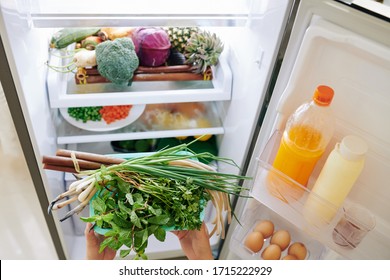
340	172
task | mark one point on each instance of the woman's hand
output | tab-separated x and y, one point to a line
195	243
93	245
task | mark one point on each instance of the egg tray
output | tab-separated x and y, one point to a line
258	212
267	242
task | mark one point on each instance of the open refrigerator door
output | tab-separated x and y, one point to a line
348	50
331	44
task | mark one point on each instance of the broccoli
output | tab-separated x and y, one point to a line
117	60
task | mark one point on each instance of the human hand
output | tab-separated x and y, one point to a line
195	243
93	245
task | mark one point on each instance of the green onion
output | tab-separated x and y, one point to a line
137	198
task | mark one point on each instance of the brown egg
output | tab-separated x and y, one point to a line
290	257
254	241
272	252
298	249
281	238
266	227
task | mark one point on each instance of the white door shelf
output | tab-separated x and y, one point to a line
64	92
287	198
256	213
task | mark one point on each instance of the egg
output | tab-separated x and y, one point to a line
298	249
290	257
266	227
254	241
272	252
281	238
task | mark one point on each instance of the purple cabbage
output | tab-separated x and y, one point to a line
152	45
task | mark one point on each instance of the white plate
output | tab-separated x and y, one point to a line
135	112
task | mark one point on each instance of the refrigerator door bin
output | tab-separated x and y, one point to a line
64	92
282	194
287	198
257	213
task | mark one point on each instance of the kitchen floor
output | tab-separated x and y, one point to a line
23	233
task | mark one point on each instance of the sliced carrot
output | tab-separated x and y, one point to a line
111	114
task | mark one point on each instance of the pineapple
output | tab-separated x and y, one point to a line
203	50
179	36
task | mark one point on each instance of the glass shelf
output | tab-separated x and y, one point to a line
145	127
49	13
64	92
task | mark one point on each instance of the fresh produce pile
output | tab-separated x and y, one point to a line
96	113
145	195
118	54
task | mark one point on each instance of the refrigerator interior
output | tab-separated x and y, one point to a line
348	51
251	32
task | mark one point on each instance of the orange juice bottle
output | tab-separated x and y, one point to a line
308	131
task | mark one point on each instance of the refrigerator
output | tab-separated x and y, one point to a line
275	54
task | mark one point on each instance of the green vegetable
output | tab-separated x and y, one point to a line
142	145
85	114
67	36
133	214
137	198
117	60
209	146
127	144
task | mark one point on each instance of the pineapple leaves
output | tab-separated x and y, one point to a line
203	50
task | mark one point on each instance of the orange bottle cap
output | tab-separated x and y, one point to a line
323	95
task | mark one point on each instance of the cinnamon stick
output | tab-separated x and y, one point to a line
60	168
101	159
165	69
146	70
92	79
65	161
182	76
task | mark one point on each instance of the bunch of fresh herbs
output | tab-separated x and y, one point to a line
151	194
134	211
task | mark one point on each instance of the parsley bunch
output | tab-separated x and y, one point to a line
140	207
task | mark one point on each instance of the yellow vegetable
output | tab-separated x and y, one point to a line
117	32
203	123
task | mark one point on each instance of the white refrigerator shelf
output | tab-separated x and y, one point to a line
149	125
64	92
